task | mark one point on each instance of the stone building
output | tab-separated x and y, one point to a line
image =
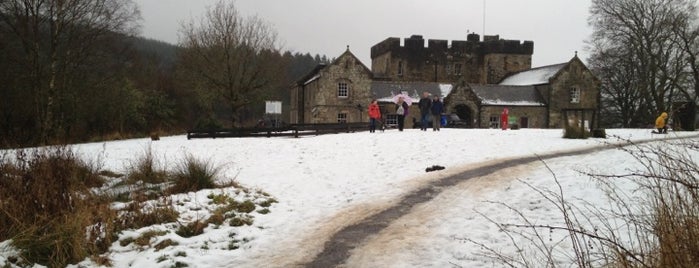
337	92
472	60
545	97
477	80
384	91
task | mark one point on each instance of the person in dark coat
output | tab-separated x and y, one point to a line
425	105
437	110
401	112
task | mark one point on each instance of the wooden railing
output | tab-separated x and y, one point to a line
295	130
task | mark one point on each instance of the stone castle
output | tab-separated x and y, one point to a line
475	61
478	79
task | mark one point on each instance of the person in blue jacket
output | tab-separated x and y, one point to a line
437	109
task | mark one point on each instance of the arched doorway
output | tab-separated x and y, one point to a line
464	114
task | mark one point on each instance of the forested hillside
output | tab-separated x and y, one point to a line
111	85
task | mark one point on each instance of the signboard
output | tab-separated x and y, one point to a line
273	107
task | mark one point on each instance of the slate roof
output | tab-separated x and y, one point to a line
384	91
535	76
311	76
508	95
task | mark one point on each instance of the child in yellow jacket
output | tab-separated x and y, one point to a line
661	123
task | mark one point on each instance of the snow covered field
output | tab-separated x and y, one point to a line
327	182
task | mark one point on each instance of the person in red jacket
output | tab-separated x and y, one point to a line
374	115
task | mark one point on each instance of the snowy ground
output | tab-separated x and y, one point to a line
326	182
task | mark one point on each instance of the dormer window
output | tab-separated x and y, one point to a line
574	95
342	90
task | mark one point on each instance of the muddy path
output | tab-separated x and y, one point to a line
340	244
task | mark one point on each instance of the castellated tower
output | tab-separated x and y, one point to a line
479	62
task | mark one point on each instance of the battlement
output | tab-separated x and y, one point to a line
491	44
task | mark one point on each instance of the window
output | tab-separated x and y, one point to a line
391	120
495	121
574	95
457	69
342	90
400	67
449	69
342	118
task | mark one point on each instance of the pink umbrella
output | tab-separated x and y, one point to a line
405	97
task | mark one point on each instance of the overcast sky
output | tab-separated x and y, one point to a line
557	27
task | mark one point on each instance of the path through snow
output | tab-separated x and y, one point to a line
377	234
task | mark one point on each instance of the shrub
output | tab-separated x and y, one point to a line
192	229
193	175
216	219
218	199
575	132
655	225
146	237
109	174
240	221
164	244
599	133
47	209
134	216
146	169
264	211
267	203
246	206
179	264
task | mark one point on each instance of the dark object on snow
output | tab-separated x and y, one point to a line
434	168
599	133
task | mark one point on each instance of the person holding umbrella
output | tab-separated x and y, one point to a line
401	112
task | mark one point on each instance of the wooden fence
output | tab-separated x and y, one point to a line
296	130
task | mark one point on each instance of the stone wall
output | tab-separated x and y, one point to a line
460	95
575	75
498	66
474	60
322	103
536	116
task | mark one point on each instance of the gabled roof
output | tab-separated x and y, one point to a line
508	95
349	53
384	91
311	76
315	73
535	76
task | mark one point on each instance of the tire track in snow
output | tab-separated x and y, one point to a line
410	230
340	245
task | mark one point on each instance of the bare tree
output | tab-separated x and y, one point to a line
234	56
640	38
56	40
686	29
622	104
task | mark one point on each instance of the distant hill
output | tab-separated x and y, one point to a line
163	52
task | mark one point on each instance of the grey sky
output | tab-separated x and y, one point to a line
557	27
